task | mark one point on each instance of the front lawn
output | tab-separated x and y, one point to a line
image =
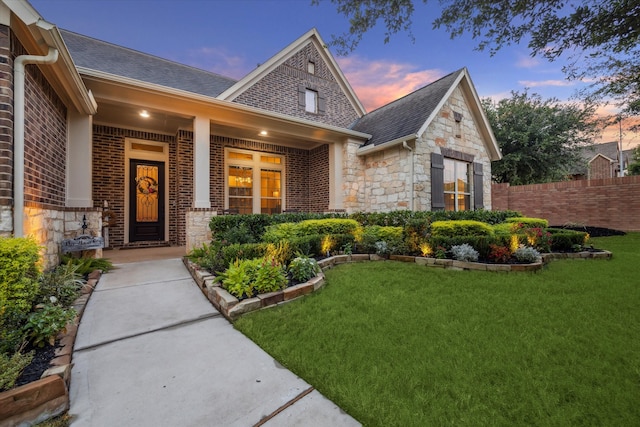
397	344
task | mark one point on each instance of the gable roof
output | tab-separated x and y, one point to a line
311	36
93	54
608	150
408	117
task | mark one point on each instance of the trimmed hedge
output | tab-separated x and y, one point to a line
460	228
566	240
393	237
402	218
529	222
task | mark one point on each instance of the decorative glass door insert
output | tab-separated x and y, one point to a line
146	193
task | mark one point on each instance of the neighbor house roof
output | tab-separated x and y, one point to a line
609	150
101	56
405	116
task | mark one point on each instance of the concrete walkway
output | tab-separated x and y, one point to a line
152	351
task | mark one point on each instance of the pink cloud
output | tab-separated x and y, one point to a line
379	82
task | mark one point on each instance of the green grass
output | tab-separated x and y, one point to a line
397	344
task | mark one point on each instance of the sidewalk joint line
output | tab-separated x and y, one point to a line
283	407
162	328
179	279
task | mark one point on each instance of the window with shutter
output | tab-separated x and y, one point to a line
478	187
437	182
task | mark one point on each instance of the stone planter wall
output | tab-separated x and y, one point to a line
47	397
232	308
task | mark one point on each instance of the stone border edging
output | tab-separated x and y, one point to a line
48	397
232	308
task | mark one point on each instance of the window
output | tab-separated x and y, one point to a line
457	191
311	101
311	67
254	182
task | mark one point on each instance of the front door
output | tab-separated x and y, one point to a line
146	192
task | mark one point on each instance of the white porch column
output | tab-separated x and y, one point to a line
201	163
336	190
79	160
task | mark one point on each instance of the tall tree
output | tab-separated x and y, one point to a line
600	38
539	138
634	163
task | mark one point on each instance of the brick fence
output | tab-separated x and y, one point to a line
611	202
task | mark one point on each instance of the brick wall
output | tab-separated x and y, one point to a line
319	179
108	175
611	203
278	90
45	138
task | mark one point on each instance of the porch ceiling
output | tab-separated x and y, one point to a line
120	105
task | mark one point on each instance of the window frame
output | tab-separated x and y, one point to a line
257	166
315	96
456	191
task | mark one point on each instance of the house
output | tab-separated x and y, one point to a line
601	161
165	146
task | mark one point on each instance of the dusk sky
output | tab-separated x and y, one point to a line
231	37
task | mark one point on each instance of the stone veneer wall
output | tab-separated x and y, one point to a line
380	181
197	226
49	226
278	90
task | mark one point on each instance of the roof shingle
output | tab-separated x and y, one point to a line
109	58
405	116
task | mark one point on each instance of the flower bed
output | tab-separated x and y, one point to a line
232	308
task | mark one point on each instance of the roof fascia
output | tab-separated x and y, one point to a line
38	35
370	149
311	36
476	107
603	156
215	102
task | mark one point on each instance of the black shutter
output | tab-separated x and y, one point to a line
478	187
437	182
302	89
322	103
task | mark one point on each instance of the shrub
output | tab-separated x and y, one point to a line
62	283
499	254
45	323
275	233
417	231
269	276
328	226
539	239
240	234
526	254
529	222
87	265
238	278
11	367
303	268
460	228
566	240
231	253
482	244
393	238
281	252
308	245
464	252
19	286
209	257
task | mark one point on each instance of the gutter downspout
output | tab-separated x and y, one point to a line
411	178
18	133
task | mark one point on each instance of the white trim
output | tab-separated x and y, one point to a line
257	166
201	163
213	103
370	149
79	173
129	154
336	178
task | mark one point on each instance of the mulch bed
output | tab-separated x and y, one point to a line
593	231
38	365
